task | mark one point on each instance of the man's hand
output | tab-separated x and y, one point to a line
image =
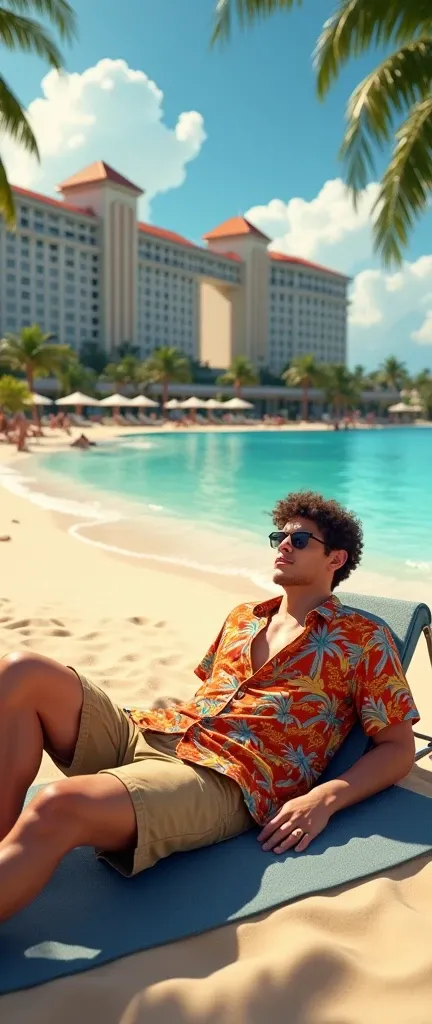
298	822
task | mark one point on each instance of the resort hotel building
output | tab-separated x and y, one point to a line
86	269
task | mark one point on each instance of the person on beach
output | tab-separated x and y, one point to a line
281	687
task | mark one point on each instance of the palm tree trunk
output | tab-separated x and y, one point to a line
35	410
305	404
165	383
237	388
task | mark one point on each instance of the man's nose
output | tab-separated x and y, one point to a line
285	544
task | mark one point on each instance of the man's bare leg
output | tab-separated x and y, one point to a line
89	810
40	705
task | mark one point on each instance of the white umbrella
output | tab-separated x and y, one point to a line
173	404
238	403
77	398
212	403
401	407
142	402
36	399
115	401
193	403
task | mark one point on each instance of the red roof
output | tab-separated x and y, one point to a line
234	228
97	172
231	256
59	205
305	263
168	236
172	236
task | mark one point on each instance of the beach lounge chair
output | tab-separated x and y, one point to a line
407	622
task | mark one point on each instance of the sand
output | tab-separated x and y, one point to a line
357	954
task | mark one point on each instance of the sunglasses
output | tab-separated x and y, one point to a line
299	538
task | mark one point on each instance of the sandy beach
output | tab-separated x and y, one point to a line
138	630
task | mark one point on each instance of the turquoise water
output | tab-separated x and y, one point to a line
230	481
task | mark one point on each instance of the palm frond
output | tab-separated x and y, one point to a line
18	33
7	204
399	81
58	12
13	120
357	25
406	183
247	12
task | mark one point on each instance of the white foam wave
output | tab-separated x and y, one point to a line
421	566
95	514
185	563
141	445
19	485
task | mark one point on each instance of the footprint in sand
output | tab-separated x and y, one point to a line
59	632
19	624
138	620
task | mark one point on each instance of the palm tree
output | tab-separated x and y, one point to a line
341	389
14	394
167	365
32	354
127	371
393	374
19	32
397	91
304	373
425	392
241	374
73	376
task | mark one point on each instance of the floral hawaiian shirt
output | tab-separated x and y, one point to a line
274	731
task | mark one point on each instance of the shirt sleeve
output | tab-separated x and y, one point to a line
205	667
382	695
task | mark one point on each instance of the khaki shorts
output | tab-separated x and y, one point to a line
178	805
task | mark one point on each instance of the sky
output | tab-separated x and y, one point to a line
212	133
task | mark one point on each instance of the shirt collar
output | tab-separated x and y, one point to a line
328	610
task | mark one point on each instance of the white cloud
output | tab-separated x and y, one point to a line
424	334
379	296
109	112
323	227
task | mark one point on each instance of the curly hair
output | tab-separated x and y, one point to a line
341	530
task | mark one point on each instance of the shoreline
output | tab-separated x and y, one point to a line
128	529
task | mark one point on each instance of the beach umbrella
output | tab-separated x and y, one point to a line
193	403
115	401
213	403
77	398
142	402
401	407
36	399
238	403
173	404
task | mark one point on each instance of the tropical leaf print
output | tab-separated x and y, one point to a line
322	642
381	640
327	711
303	762
374	712
279	707
242	733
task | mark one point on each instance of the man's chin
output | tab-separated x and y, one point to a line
281	576
286	577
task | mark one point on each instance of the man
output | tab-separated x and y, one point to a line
282	686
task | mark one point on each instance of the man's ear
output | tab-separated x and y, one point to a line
338	559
